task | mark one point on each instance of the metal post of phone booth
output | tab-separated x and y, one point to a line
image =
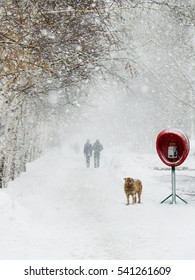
173	181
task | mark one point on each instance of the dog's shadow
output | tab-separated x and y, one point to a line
130	204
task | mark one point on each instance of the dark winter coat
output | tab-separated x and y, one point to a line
97	147
88	149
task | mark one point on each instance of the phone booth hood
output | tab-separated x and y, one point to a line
172	146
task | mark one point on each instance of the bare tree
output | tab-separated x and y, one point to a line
44	46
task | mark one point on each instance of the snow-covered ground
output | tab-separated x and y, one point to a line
59	209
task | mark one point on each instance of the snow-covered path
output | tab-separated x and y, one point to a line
59	209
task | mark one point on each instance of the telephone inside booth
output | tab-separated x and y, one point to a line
172	150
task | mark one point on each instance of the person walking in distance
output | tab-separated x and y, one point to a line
97	148
88	152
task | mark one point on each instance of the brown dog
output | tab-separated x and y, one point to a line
133	187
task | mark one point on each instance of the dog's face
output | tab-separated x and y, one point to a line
129	182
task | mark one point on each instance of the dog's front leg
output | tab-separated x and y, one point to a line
127	199
134	198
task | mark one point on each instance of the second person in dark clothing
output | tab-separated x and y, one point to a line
88	152
97	148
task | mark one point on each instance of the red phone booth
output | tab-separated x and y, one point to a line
173	147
